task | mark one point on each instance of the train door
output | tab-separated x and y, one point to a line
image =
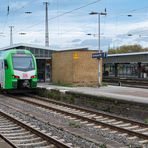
2	73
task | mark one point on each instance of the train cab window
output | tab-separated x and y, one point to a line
23	62
6	64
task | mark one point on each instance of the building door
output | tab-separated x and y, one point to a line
48	73
41	69
48	69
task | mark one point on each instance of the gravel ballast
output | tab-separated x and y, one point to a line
97	135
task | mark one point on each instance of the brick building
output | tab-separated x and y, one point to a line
75	67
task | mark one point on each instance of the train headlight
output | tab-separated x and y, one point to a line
34	76
16	77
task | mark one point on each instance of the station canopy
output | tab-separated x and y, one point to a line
127	58
40	52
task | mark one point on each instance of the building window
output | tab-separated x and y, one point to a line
128	70
123	70
109	70
144	70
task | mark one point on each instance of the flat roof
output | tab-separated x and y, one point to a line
133	57
75	49
26	45
128	54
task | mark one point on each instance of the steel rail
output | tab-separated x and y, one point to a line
49	139
90	120
99	113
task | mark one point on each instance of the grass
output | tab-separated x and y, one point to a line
102	146
131	146
146	121
63	84
74	124
104	84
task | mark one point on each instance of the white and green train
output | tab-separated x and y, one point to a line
18	69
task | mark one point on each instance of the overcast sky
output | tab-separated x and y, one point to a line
69	29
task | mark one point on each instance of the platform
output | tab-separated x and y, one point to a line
138	95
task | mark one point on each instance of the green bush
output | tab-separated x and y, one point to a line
74	124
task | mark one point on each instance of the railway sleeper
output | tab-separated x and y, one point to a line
98	126
17	134
132	138
37	144
146	133
7	126
98	117
5	123
103	120
49	146
12	131
10	128
124	125
123	134
84	122
113	132
105	129
143	141
90	124
110	121
22	137
132	127
25	141
117	123
141	130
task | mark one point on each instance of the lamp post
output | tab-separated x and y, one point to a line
22	33
99	51
91	34
129	15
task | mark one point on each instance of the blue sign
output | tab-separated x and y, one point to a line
99	55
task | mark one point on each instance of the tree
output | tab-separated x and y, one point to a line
127	49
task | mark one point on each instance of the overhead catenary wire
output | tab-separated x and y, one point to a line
68	12
60	15
30	2
127	12
8	13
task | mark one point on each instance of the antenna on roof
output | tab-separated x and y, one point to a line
8	9
105	10
11	37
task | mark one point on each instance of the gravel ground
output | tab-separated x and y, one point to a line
69	138
65	124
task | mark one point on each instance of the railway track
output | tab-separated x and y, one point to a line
137	82
133	130
20	134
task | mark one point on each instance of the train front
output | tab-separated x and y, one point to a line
24	71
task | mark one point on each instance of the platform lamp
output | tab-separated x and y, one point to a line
99	51
22	33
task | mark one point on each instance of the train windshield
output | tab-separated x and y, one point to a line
23	62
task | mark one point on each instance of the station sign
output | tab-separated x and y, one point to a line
99	55
75	56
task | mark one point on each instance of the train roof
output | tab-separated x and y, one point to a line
4	53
